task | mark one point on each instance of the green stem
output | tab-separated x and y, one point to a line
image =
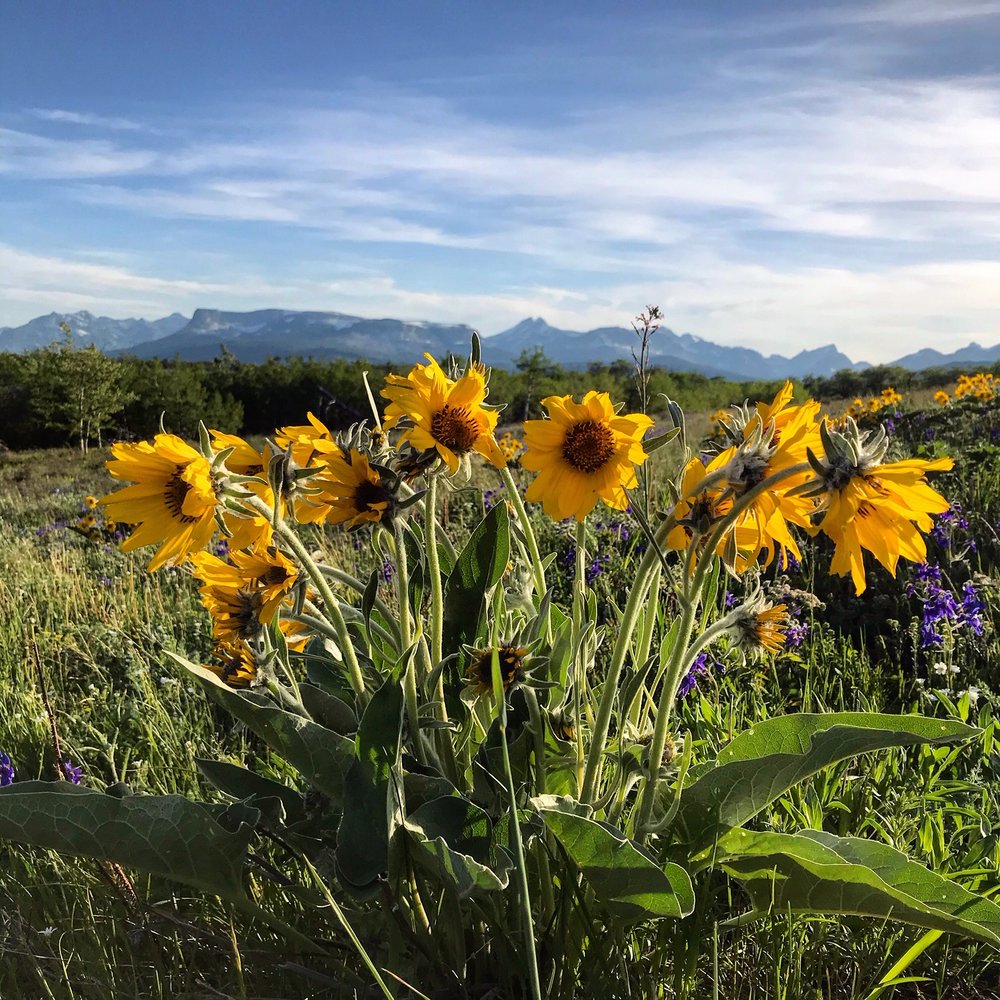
515	826
345	923
360	587
402	585
580	671
609	689
434	570
331	605
514	495
413	707
538	732
680	654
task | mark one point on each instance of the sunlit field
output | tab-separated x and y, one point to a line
426	749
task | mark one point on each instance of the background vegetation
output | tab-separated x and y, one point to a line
61	394
100	625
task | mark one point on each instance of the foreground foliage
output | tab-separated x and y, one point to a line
524	810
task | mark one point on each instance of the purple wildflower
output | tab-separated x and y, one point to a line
73	774
6	770
699	668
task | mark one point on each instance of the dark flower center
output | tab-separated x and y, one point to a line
274	577
511	667
175	491
368	495
455	428
588	446
244	613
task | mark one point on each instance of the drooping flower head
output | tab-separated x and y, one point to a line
872	504
511	658
236	664
583	453
349	491
761	628
173	501
443	415
700	507
235	603
772	438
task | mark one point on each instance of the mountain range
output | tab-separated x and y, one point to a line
254	336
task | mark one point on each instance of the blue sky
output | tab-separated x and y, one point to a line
775	175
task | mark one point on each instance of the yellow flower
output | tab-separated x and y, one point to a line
762	629
941	397
173	500
776	438
296	634
235	603
249	529
91	502
303	440
510	446
443	415
267	567
873	505
583	453
236	666
698	510
770	439
351	491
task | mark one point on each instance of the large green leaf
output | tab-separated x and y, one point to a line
241	783
453	837
479	567
320	755
624	878
816	872
166	835
767	760
363	836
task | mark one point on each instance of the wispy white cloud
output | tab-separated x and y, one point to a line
87	119
801	189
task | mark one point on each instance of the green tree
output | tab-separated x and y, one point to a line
78	390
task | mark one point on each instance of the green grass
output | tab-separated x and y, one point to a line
101	625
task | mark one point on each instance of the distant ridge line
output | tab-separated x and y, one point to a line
255	335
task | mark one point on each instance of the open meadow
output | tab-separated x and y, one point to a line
503	823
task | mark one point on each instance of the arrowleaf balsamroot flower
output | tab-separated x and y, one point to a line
351	492
762	629
871	504
479	673
698	510
173	500
237	665
443	415
303	440
583	453
236	606
776	437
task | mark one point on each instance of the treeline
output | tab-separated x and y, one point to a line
62	394
848	384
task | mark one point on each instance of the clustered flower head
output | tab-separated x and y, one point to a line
862	407
982	386
944	612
